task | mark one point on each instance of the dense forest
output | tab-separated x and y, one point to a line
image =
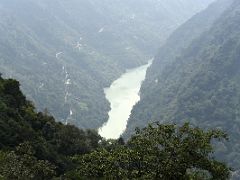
34	146
65	52
57	57
195	78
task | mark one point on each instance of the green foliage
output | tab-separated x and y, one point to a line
32	32
198	79
22	164
36	146
158	152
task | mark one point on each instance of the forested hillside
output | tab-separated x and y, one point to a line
32	144
35	147
195	78
65	52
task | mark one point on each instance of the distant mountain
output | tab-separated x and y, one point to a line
195	78
65	52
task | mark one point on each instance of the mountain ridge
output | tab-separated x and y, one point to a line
199	85
66	52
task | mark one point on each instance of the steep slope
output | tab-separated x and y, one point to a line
34	147
65	52
199	83
180	40
35	136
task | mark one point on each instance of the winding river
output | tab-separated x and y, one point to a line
123	94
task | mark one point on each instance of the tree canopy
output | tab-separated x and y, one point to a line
158	152
34	146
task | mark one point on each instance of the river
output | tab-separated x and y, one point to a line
123	94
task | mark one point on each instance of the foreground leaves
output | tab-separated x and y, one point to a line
158	152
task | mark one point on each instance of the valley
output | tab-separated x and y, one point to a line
123	89
123	94
39	38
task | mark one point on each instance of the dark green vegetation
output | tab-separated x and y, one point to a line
65	52
34	146
196	77
157	152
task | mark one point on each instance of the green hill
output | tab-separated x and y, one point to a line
65	52
195	78
32	142
34	146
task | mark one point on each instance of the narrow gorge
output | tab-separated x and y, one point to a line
123	94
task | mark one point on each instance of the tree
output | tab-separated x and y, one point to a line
158	152
22	164
51	143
